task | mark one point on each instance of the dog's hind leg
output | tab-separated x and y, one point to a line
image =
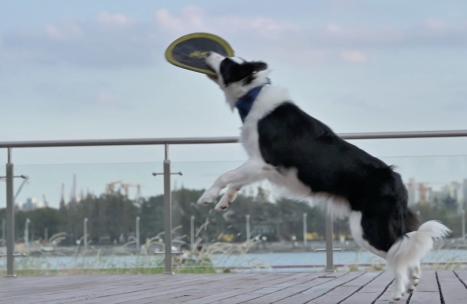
400	282
414	275
417	273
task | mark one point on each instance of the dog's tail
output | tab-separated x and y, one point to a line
412	247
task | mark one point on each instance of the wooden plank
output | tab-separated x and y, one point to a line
258	288
156	292
386	297
371	291
316	289
242	288
259	291
90	289
253	291
462	276
344	291
204	290
452	290
427	290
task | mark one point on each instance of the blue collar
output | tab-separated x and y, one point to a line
245	103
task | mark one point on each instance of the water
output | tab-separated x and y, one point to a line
253	260
319	258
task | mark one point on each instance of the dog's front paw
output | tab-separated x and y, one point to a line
223	204
209	196
226	200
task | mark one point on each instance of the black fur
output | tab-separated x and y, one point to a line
232	71
290	138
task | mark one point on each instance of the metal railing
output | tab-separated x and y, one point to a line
166	142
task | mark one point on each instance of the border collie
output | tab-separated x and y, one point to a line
291	149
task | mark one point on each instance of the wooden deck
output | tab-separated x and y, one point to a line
347	288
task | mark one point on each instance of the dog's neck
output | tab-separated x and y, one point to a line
245	103
235	91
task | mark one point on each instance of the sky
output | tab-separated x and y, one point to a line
95	69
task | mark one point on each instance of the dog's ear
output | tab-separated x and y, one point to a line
258	66
228	67
254	67
212	77
232	71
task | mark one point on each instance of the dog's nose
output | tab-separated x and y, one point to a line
208	59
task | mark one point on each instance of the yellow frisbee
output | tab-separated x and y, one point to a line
189	51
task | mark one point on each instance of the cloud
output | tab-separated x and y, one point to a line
432	32
192	18
114	20
435	24
106	99
353	56
114	39
64	32
333	28
111	40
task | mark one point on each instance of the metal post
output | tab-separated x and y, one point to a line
26	233
3	229
85	233
463	223
192	233
10	219
305	230
137	234
329	236
167	213
248	235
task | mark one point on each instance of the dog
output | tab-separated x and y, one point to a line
293	150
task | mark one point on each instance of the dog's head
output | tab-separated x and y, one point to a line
236	76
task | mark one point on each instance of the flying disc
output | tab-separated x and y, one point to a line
189	51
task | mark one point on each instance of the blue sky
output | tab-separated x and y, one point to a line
95	69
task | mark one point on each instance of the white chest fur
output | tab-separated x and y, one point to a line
269	99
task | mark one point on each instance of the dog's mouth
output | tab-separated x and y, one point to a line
213	77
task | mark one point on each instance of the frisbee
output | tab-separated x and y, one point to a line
189	51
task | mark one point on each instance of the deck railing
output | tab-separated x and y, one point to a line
167	142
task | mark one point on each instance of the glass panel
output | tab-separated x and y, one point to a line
437	186
57	203
263	229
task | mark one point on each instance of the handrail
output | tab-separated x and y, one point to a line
215	140
9	145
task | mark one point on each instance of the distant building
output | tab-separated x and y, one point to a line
423	191
33	203
412	191
418	193
455	190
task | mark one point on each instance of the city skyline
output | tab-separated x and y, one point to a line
419	191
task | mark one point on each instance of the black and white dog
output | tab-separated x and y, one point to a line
292	149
